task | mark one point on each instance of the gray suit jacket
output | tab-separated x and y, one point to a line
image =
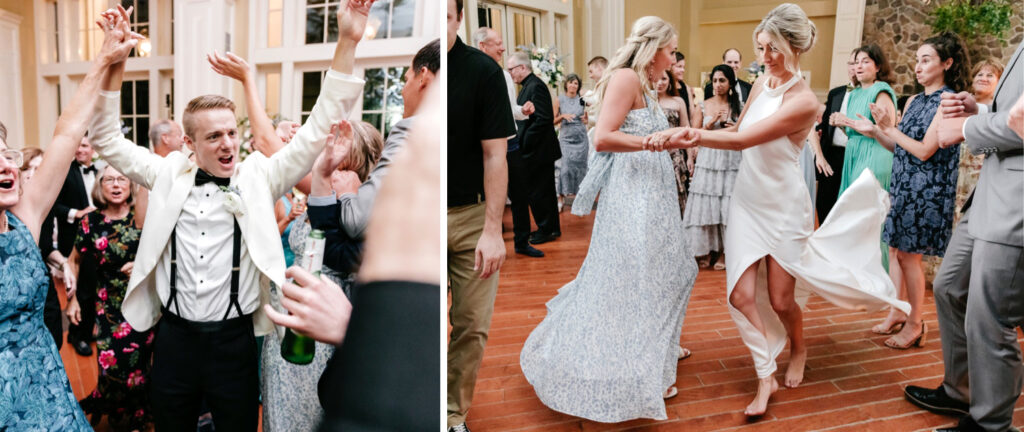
355	208
997	203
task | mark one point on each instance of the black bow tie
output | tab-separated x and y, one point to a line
88	169
203	177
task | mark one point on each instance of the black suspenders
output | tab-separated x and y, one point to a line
236	253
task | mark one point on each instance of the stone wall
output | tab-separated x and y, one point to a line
899	27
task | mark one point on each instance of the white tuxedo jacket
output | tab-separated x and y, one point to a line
259	180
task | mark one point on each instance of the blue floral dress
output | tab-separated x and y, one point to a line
34	390
608	347
923	193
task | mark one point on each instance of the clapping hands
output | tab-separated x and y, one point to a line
339	143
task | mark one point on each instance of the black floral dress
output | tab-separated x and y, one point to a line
923	193
125	355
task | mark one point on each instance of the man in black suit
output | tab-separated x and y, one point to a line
833	143
538	148
73	202
734	59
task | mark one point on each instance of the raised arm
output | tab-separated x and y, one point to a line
337	97
265	137
234	67
40	193
136	162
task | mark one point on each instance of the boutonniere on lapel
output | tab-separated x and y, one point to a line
233	200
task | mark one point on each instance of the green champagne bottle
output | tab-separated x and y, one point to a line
298	348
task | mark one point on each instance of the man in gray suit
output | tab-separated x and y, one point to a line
353	210
979	290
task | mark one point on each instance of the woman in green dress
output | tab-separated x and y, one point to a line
873	74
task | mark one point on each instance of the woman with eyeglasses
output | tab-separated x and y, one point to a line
109	237
36	392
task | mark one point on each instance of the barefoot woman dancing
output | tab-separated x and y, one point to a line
771	215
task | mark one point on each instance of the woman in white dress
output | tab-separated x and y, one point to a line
608	348
771	216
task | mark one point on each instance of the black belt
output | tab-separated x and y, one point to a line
456	200
205	326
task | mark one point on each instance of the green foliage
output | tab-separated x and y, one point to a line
972	19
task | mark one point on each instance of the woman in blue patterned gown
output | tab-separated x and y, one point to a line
923	182
34	390
608	348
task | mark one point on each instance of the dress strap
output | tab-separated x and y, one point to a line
778	91
598	169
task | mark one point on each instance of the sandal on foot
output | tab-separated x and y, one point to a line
894	328
670	393
684	353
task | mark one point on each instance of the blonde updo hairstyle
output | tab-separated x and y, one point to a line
790	31
649	34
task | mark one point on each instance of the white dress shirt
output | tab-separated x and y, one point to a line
517	110
204	240
89	178
839	137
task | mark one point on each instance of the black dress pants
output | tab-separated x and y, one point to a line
543	198
86	295
828	187
215	362
52	313
519	193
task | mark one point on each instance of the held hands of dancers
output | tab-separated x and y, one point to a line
318	307
956	105
675	138
118	39
955	110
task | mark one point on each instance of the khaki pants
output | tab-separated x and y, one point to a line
472	305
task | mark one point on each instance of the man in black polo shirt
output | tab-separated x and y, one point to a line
479	122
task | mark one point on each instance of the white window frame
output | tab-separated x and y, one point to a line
158	69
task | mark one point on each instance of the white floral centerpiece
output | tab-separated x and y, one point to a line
546	63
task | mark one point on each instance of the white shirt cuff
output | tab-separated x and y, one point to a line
71	215
321	201
339	75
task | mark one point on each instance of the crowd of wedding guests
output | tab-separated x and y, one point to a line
187	313
906	142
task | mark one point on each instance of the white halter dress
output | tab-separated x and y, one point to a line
771	214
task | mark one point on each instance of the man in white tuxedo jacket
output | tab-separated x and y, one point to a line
210	244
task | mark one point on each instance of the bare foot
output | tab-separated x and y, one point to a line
795	371
891	324
765	388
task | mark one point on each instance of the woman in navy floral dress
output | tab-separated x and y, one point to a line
34	390
923	184
109	237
